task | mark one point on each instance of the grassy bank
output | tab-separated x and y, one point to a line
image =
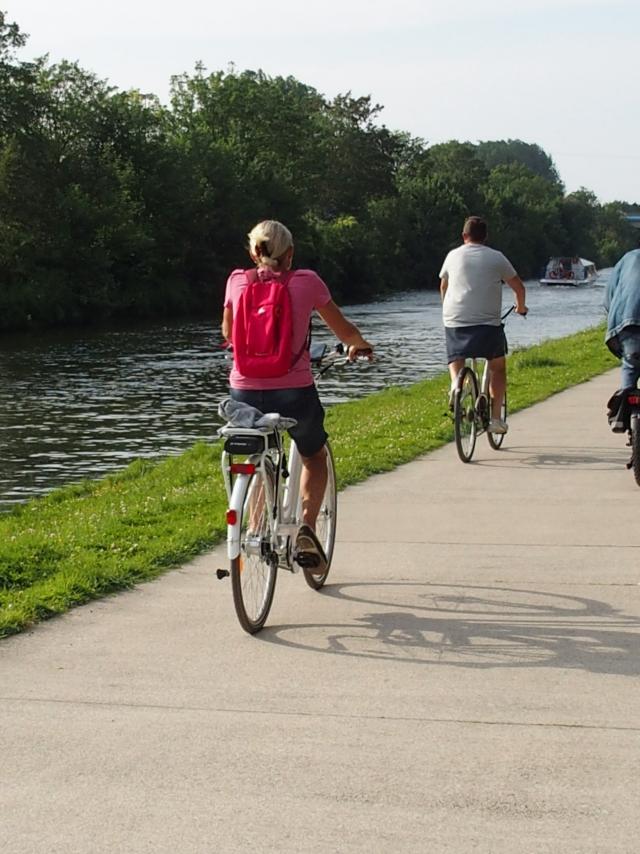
85	541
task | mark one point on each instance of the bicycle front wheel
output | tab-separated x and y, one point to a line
464	413
496	439
253	572
326	523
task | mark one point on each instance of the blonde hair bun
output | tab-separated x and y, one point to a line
268	242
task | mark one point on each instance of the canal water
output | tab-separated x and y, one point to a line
80	404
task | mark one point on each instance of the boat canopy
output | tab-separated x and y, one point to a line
566	260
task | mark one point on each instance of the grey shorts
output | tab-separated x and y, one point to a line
480	341
303	404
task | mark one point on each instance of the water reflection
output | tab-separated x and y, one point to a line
78	405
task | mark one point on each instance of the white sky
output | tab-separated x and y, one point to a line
559	73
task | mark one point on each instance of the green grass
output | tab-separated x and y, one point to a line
88	540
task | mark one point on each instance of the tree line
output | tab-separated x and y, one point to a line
113	205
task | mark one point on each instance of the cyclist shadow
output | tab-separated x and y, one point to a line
579	458
477	631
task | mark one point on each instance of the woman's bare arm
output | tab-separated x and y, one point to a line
342	328
227	323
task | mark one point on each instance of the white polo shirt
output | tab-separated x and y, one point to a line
475	274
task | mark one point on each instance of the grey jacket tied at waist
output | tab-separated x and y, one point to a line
239	414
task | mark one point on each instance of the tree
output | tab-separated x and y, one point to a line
614	234
457	164
579	214
524	216
359	156
503	152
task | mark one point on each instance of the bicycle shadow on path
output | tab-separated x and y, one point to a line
482	627
580	458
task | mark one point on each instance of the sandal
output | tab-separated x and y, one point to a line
308	553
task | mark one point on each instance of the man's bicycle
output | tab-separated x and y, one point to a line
472	407
265	508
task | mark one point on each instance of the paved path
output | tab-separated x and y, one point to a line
469	681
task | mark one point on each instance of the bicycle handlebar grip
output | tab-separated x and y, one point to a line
343	350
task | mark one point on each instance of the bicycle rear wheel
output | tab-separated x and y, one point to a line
464	413
635	447
326	523
253	572
496	439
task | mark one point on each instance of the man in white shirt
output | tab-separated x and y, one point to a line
471	281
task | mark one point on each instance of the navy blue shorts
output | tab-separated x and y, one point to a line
303	404
480	341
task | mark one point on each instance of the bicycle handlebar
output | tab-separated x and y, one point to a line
324	357
513	308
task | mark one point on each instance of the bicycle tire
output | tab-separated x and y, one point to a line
635	447
496	439
464	413
326	523
253	572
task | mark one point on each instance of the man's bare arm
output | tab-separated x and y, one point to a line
517	286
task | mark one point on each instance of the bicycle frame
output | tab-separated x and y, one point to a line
284	501
473	407
483	412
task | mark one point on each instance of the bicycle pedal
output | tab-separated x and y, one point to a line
222	573
306	560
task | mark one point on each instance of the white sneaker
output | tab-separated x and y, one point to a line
497	425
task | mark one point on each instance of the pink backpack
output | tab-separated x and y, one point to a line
263	328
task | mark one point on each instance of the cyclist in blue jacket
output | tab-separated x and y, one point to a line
622	304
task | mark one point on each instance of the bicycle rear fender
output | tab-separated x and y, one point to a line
236	502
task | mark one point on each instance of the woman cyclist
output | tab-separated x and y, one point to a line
293	394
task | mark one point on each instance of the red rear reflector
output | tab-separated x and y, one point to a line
232	517
242	468
634	399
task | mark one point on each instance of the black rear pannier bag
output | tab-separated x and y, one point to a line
619	410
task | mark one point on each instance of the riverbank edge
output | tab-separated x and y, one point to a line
85	541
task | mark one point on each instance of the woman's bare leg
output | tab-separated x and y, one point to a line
313	482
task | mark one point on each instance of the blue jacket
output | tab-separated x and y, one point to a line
622	298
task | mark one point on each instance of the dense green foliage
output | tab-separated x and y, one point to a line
84	541
114	205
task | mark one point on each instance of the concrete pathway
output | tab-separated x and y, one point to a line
468	681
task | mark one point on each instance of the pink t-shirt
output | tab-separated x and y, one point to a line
308	292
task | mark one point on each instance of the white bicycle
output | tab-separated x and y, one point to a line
265	509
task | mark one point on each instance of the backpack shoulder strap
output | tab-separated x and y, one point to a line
252	276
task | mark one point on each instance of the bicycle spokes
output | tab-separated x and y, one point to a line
465	414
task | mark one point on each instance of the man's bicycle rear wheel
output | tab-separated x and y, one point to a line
496	439
253	572
464	413
326	523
